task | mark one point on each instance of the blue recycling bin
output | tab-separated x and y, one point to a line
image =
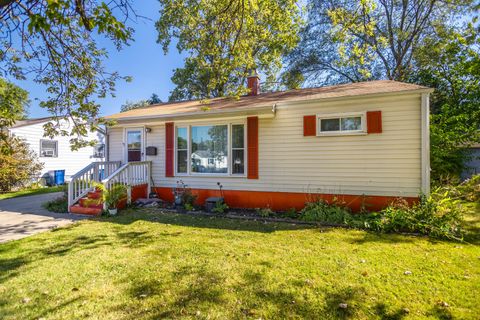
59	177
101	174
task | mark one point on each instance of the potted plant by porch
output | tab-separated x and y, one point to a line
112	197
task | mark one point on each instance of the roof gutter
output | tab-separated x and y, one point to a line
350	97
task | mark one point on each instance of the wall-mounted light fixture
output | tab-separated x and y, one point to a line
148	130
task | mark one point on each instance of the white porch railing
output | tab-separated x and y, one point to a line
82	182
130	174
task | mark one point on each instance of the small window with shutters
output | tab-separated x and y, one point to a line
340	124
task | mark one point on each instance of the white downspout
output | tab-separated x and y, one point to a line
425	143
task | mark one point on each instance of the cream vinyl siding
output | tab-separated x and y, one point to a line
115	144
387	164
68	160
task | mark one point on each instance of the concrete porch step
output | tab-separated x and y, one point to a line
86	210
94	195
90	203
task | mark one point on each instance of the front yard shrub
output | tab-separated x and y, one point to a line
265	212
59	205
220	207
188	199
19	165
322	211
469	190
113	196
290	214
437	216
188	207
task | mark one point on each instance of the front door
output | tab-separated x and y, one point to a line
134	144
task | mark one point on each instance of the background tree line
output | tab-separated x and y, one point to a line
427	42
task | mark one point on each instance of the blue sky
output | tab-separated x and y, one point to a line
143	60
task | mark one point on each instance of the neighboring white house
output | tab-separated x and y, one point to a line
206	161
55	153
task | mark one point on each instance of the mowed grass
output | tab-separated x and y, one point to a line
150	265
30	192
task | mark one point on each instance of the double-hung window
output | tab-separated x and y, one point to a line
182	150
238	149
210	149
351	123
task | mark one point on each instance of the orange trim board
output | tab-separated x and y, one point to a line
139	191
280	201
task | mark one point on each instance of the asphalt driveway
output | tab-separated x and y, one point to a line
24	216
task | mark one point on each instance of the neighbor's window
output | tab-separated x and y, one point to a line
182	150
238	149
49	148
99	151
211	149
352	123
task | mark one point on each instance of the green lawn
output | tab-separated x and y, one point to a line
147	265
30	192
472	219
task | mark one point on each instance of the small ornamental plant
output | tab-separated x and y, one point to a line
220	207
113	196
265	212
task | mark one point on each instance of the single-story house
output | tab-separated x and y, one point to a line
363	143
55	154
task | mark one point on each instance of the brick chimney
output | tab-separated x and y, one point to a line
253	84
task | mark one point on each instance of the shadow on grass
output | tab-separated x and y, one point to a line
218	222
391	238
383	313
135	239
282	303
197	289
76	244
294	305
345	295
45	308
24	254
472	223
193	291
8	267
56	308
441	313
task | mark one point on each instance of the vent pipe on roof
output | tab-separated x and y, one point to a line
253	84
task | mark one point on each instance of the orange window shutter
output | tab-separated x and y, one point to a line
374	121
252	140
309	125
169	149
